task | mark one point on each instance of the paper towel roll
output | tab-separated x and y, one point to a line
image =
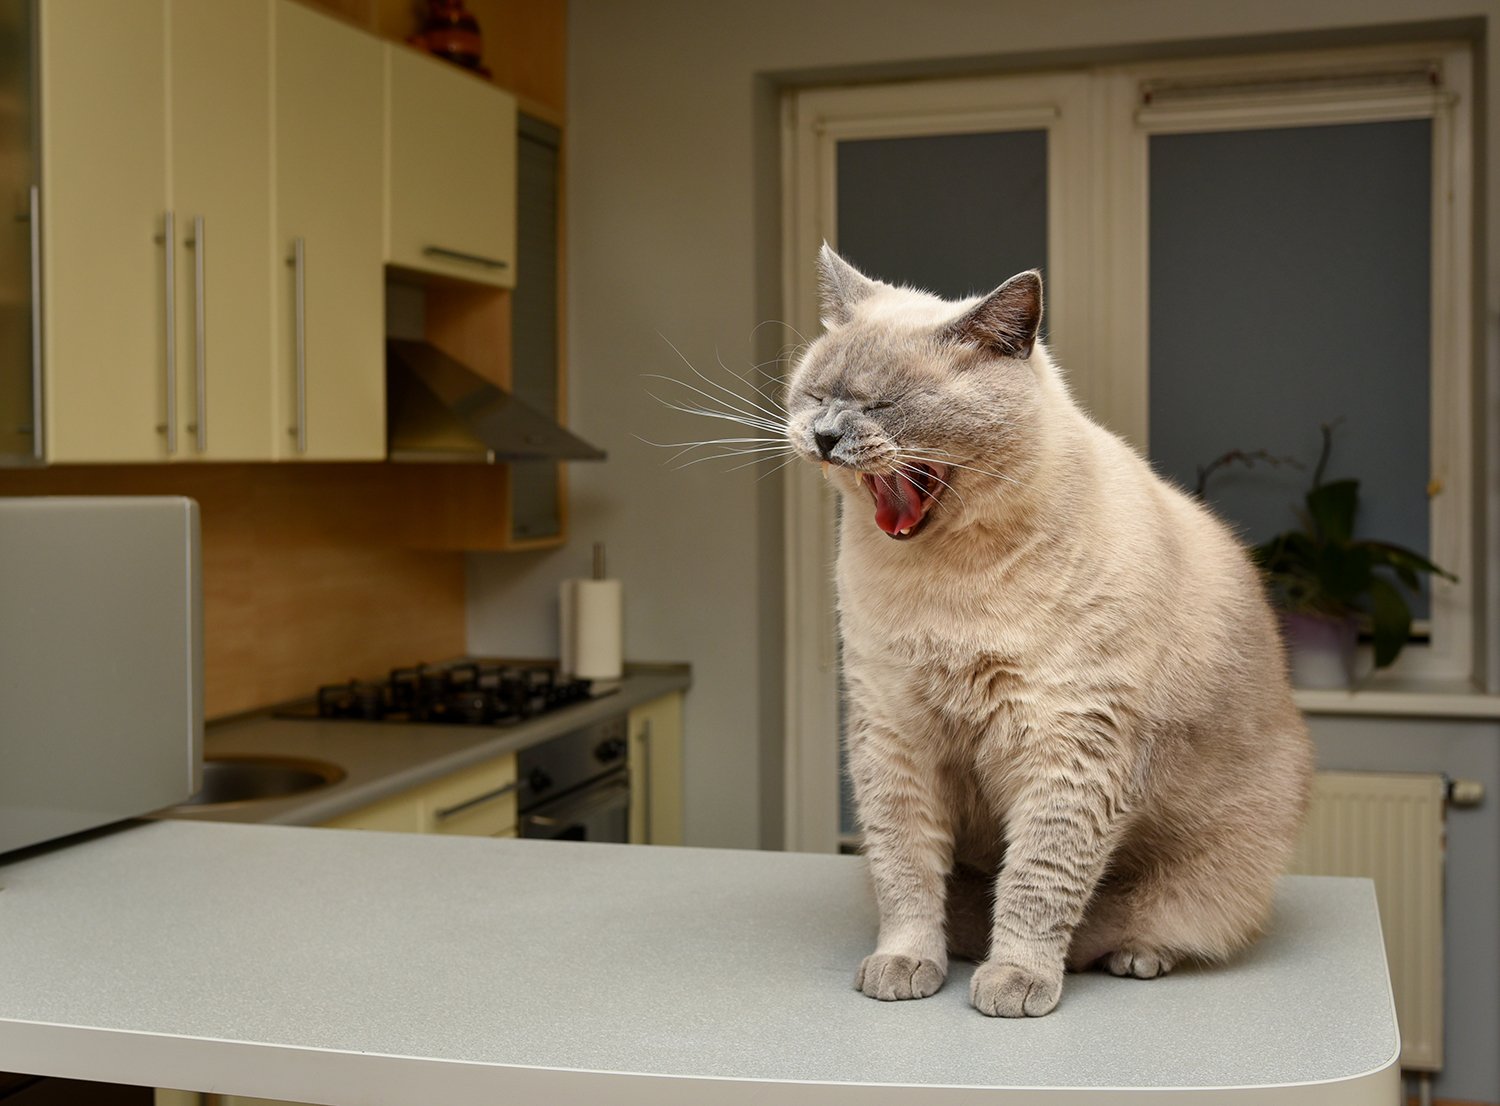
591	625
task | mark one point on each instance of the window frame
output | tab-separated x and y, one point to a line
1097	300
1353	93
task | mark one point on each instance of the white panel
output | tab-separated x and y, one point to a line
1389	828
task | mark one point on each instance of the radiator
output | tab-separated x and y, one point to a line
1389	828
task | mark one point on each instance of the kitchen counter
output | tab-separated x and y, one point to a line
381	759
340	966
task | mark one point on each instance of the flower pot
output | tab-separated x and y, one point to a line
1320	649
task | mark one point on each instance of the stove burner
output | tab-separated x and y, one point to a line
473	693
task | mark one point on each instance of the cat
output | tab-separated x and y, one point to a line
1069	725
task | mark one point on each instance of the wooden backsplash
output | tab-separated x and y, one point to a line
302	582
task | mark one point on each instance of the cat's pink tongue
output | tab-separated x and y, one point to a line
898	503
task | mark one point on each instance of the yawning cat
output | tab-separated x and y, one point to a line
1070	729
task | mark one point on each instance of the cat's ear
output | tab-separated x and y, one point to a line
1005	322
840	287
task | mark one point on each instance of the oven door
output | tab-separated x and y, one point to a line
598	812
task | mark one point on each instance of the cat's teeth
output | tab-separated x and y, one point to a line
825	470
903	533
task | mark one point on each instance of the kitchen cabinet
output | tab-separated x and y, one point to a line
104	306
655	734
451	171
476	802
220	125
330	349
178	322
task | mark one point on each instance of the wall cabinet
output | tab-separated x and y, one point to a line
178	323
655	736
106	344
220	177
330	350
451	171
476	802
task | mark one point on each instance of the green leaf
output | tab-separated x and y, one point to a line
1391	619
1331	508
1406	562
1344	572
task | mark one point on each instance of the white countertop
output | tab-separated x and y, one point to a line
337	966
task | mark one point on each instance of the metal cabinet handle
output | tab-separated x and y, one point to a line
37	445
169	238
200	363
471	258
298	262
478	800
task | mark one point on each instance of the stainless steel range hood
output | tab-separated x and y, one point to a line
438	409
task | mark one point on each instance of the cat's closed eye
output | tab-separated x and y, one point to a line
880	405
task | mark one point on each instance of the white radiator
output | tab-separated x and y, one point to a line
1389	828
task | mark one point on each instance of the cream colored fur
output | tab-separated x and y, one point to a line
1070	730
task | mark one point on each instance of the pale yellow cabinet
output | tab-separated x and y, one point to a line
476	802
329	138
655	735
220	120
451	171
107	346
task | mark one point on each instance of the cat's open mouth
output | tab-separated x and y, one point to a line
904	497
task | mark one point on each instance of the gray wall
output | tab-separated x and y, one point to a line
673	229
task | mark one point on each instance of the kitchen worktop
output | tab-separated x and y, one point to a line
337	966
381	759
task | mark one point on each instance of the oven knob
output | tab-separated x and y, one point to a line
610	749
538	781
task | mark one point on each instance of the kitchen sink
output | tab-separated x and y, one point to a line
249	779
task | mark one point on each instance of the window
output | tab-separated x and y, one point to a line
1174	194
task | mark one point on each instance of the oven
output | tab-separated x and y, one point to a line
576	786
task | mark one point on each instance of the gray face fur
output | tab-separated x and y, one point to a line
923	395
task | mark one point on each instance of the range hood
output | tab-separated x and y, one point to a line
438	409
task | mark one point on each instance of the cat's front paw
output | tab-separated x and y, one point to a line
1010	991
888	976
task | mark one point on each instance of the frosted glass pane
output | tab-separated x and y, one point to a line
954	214
1289	286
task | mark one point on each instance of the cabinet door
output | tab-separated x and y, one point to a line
452	171
221	187
656	772
103	81
477	802
330	349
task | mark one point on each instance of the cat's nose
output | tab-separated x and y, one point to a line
826	442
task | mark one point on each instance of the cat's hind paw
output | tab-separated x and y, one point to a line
1140	963
1010	991
888	977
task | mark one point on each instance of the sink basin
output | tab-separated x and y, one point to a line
249	779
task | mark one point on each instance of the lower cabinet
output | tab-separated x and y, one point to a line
655	735
477	802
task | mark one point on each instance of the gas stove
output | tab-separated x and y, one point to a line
469	692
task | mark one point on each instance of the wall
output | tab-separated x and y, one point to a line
674	233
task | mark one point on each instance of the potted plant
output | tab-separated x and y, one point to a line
1327	584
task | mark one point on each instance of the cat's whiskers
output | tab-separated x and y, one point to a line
941	458
926	472
732	445
715	384
754	422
